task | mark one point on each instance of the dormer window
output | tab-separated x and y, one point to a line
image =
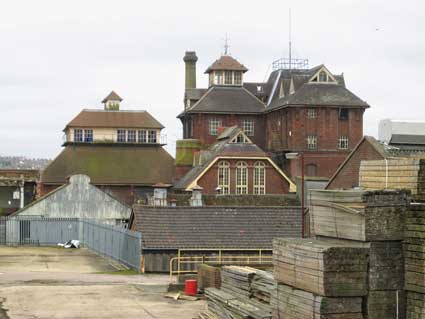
323	77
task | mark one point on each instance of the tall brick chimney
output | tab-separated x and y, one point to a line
190	59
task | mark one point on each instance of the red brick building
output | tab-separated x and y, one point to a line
298	109
235	165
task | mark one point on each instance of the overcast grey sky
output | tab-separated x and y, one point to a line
58	57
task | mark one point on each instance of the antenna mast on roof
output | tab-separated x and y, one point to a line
290	39
226	45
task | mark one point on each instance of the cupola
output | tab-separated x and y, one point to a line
112	101
226	71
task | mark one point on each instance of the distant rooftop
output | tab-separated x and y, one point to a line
21	162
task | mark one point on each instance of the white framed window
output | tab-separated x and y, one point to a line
241	178
78	135
131	136
240	138
343	142
121	134
311	113
214	125
218	77
228	77
323	76
248	127
237	77
151	136
312	142
224	177
259	178
142	136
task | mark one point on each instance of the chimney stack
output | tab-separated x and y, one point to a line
190	59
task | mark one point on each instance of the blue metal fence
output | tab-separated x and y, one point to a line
115	242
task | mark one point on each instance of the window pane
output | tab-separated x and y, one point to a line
343	114
88	136
323	77
238	77
214	125
241	178
311	113
228	77
152	137
259	178
224	177
311	142
121	136
142	136
131	136
343	142
78	135
248	127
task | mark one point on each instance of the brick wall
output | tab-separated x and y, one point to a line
275	183
348	176
201	127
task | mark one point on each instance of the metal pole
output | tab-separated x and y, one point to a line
302	195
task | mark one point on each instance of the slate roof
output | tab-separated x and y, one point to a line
214	227
112	97
407	139
224	99
226	62
323	94
194	94
112	165
114	119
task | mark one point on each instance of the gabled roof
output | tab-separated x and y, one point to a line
223	99
112	97
226	63
223	149
112	165
214	227
114	119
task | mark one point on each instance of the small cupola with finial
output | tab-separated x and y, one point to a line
226	70
112	102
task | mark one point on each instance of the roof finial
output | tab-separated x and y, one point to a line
226	45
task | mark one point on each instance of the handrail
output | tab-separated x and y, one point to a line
220	259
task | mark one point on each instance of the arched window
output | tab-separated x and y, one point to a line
259	178
311	170
224	177
241	178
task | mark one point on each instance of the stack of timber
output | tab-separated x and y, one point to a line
415	305
414	257
358	215
263	286
225	305
237	280
208	276
386	304
291	303
402	173
332	269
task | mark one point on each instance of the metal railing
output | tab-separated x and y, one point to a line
115	242
262	258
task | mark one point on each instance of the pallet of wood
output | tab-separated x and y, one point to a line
401	173
388	304
208	276
225	305
237	280
386	265
414	249
332	269
263	286
291	303
415	305
358	215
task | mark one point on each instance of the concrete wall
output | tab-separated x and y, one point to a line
389	127
79	199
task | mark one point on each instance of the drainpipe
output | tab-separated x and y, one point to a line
21	197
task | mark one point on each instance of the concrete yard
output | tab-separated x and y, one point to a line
50	282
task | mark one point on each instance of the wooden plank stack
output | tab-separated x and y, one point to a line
375	219
208	276
358	215
321	267
398	173
414	256
263	286
291	303
237	280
